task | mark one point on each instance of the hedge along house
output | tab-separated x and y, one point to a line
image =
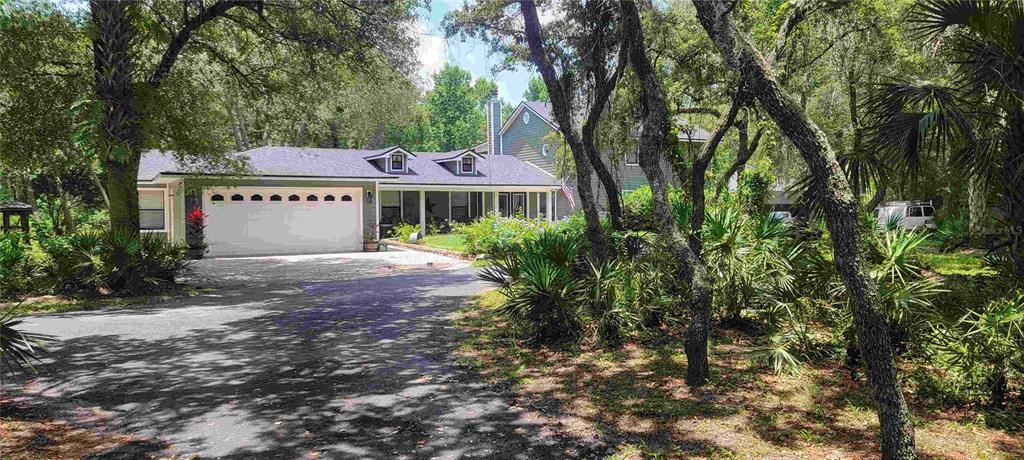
527	135
298	200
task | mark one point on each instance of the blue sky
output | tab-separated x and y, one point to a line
434	51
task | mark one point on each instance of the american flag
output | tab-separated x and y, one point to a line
567	191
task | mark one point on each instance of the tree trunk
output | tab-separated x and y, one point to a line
95	178
122	125
897	429
746	151
560	104
977	205
880	191
1011	176
300	137
65	208
653	138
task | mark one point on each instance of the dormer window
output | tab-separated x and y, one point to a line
397	162
467	166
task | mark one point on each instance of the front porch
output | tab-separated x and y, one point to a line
425	206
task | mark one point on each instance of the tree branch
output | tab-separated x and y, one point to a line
181	38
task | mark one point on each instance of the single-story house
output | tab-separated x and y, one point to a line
306	200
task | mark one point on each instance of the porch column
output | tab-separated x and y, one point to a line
550	211
496	211
423	213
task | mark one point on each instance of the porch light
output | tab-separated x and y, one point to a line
369	196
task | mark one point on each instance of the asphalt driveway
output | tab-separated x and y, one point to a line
344	356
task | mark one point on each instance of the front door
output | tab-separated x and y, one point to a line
519	204
503	204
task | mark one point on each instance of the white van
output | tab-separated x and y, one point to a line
912	214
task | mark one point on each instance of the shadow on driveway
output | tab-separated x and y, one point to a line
344	369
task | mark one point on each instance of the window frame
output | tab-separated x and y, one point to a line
163	200
472	165
391	162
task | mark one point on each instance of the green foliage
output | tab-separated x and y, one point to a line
18	349
402	230
755	186
496	235
638	209
18	269
953	232
536	90
986	346
114	262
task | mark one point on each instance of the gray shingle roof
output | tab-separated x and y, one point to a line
543	109
687	132
351	163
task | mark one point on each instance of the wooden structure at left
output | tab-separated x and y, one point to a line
16	208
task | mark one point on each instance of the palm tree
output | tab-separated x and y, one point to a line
976	121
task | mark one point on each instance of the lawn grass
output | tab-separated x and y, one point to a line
635	399
451	241
956	263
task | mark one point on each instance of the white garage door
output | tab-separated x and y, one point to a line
264	221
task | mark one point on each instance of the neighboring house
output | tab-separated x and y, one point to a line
780	201
526	135
306	200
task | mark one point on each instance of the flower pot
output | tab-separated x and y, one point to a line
371	246
196	253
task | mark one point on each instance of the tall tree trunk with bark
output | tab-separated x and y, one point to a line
653	140
897	429
1011	176
561	104
122	126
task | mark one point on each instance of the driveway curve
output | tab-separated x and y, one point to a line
341	356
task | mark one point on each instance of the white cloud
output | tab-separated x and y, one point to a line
431	52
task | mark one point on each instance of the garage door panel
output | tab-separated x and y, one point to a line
283	227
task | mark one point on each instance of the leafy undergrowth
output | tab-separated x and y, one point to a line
636	399
452	242
28	432
63	304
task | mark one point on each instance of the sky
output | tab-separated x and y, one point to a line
434	51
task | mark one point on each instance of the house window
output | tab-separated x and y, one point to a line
237	197
526	118
346	198
467	164
398	162
311	198
151	210
217	197
329	198
275	197
633	158
256	197
544	150
293	198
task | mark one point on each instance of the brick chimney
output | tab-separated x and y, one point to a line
493	124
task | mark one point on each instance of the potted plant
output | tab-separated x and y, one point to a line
195	222
370	243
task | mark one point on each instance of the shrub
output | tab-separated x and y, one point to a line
495	235
755	187
952	232
114	262
638	209
402	230
18	269
18	349
540	283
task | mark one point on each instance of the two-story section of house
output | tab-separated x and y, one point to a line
530	134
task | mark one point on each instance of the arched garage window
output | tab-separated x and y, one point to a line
293	198
346	198
237	197
256	197
217	197
311	198
275	197
329	198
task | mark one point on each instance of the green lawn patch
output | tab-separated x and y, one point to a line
452	242
956	263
